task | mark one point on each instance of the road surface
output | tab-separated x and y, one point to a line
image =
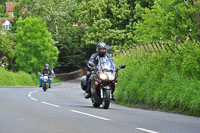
63	109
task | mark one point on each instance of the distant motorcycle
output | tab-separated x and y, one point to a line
45	82
103	80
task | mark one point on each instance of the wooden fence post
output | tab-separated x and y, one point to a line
153	46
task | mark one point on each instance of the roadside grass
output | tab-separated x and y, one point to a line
8	78
161	80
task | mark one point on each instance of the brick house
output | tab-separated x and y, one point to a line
6	21
9	8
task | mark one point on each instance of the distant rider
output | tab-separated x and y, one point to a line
101	51
46	70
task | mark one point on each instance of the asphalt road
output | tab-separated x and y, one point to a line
63	109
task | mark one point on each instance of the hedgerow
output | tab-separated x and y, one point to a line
8	78
162	80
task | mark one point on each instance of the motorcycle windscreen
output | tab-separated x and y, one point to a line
106	63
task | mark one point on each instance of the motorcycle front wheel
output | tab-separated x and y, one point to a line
96	105
106	99
45	87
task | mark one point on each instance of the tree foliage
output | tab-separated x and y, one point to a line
35	46
107	19
55	12
7	46
118	23
3	11
59	16
168	20
2	2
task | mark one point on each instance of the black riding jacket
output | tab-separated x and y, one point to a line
46	71
95	58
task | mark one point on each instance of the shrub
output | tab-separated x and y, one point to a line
20	79
165	80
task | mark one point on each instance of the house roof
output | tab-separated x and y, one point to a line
9	6
2	20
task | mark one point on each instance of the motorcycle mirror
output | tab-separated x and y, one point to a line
122	66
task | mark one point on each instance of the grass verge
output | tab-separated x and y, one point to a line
162	80
20	79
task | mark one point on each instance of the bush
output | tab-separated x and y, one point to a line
20	79
168	81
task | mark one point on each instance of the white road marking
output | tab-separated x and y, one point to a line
30	96
30	93
33	91
90	115
34	99
146	130
52	90
51	104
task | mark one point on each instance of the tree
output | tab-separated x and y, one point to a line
108	21
35	46
3	11
7	46
3	2
145	3
59	15
175	20
54	12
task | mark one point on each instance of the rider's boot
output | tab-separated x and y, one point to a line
88	93
112	92
88	89
113	97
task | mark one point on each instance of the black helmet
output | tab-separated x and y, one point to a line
46	65
101	48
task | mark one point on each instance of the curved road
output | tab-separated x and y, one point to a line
63	109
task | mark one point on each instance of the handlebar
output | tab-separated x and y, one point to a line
45	75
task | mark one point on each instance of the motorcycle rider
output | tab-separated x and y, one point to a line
46	70
101	51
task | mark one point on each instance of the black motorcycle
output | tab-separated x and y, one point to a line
103	79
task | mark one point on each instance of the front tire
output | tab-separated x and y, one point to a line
45	87
96	105
106	99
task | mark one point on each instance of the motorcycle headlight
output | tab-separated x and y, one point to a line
111	77
102	76
45	77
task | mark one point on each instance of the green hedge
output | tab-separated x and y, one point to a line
167	81
19	79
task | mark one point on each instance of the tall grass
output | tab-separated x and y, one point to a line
167	81
19	79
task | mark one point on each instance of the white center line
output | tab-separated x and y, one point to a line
50	104
146	130
34	99
29	95
90	115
